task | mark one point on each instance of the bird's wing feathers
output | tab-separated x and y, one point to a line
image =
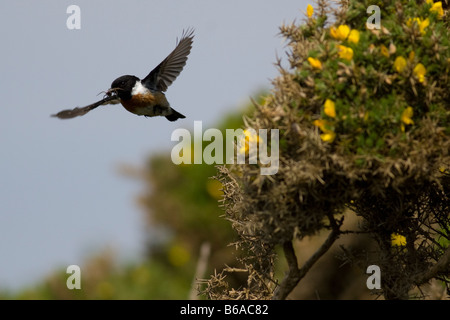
72	113
159	78
168	70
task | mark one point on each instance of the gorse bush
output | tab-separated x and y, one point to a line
364	120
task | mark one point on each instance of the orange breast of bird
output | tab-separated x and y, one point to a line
142	104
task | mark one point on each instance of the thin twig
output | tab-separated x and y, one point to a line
295	274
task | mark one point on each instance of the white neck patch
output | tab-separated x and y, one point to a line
139	88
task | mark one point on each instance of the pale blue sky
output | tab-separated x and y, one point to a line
61	196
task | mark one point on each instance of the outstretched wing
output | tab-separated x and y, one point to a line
168	70
72	113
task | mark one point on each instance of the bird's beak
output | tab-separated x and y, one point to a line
110	91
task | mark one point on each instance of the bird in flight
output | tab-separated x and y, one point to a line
145	97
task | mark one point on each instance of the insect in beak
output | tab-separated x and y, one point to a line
110	91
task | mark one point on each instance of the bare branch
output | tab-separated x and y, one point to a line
440	266
202	263
295	274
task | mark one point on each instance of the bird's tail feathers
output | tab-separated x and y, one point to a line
175	115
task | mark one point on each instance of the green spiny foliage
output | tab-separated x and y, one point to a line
364	120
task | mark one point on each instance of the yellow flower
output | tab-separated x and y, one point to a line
410	21
437	8
322	124
328	135
399	64
315	63
309	11
397	240
384	51
333	32
345	52
353	36
329	108
421	23
419	71
250	137
341	33
406	118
